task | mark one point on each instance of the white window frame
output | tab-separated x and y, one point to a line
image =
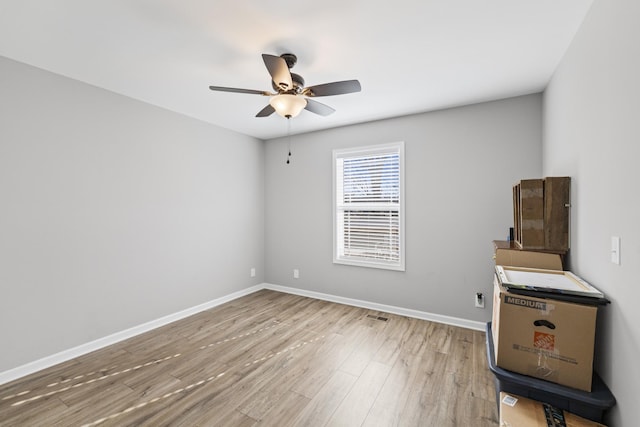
339	206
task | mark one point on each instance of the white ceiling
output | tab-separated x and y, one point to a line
410	56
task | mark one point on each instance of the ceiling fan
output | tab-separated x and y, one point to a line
291	96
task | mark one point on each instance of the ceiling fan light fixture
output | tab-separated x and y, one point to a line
288	105
290	95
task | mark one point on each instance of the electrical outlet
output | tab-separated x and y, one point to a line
253	272
296	273
479	300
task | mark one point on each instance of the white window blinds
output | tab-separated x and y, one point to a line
368	214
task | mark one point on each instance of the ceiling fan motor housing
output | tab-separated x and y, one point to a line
290	59
298	85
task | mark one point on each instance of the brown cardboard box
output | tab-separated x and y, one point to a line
544	338
507	254
541	214
522	412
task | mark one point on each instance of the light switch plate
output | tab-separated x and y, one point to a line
615	250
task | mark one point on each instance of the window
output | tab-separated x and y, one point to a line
368	224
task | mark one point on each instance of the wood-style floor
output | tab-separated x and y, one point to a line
269	359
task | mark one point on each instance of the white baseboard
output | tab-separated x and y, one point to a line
80	350
65	355
448	320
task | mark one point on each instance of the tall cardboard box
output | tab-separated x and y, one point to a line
544	338
541	213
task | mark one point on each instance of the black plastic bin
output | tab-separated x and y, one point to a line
591	405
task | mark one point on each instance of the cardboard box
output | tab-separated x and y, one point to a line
541	214
544	338
590	405
507	254
522	412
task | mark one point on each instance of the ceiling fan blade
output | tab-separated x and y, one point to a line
335	88
266	111
236	90
279	71
318	108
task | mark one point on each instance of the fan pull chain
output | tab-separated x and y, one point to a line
289	138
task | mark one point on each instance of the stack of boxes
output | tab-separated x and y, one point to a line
542	343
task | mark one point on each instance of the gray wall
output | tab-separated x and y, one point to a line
460	166
114	213
591	132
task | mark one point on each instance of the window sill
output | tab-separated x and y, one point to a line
370	264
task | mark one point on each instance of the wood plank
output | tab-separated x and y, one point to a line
365	344
354	408
284	411
322	406
330	354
